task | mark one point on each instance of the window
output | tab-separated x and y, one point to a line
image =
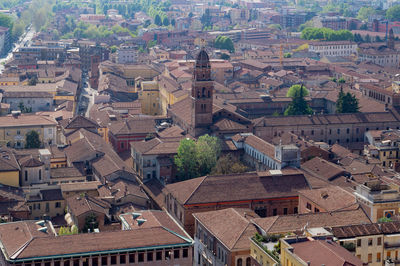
168	254
103	261
239	262
370	258
40	174
47	206
379	241
26	175
176	254
113	260
284	210
131	257
296	210
316	209
369	241
378	257
58	204
308	206
122	145
358	242
185	253
348	130
248	262
388	254
122	259
18	132
159	255
149	256
141	257
275	212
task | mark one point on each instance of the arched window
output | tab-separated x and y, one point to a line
248	261
239	262
209	94
198	94
203	92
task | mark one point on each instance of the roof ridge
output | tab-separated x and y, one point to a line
240	235
191	195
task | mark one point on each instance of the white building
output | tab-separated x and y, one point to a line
383	57
332	49
127	54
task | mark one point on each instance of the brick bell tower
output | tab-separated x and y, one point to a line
202	94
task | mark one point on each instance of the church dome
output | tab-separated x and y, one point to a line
202	59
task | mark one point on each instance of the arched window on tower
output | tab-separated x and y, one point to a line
198	94
203	92
209	94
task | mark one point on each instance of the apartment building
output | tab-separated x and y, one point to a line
333	49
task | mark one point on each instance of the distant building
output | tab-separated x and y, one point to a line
127	54
378	199
5	43
334	22
333	49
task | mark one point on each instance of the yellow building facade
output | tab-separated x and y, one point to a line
9	178
149	98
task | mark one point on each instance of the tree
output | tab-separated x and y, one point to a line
207	152
74	230
385	220
113	49
367	38
166	21
157	20
295	90
287	55
326	34
346	103
393	13
229	164
365	12
32	140
195	159
223	42
185	159
206	18
90	223
342	80
298	106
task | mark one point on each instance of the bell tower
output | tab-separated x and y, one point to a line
202	93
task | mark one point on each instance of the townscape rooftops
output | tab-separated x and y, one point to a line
324	252
296	222
235	236
246	186
22	240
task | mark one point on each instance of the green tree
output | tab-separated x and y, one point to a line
113	49
185	159
393	13
157	20
342	80
206	18
295	90
223	42
346	103
326	34
32	140
384	220
74	230
298	106
207	152
166	21
365	12
90	223
6	21
229	164
287	55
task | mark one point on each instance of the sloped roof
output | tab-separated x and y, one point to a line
237	235
245	186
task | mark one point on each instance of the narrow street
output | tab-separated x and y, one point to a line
86	98
24	40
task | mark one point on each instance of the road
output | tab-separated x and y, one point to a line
86	98
24	40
